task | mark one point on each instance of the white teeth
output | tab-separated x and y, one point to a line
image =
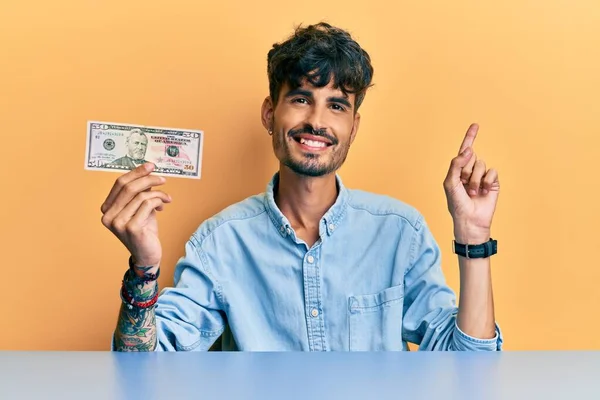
312	143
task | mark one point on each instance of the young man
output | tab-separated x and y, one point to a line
310	264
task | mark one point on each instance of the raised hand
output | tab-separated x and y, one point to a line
129	212
471	192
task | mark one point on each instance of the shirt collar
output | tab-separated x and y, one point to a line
330	221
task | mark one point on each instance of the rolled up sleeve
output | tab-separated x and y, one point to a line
430	307
462	341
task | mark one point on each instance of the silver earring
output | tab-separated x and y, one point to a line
270	131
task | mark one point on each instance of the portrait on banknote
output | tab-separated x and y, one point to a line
136	143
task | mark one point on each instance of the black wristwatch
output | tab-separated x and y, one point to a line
483	250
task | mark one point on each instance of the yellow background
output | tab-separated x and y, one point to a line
527	71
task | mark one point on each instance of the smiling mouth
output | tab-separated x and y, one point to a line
312	141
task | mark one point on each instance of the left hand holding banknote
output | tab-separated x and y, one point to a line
129	212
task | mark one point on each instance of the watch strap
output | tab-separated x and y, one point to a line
482	250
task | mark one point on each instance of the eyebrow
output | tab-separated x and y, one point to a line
299	92
307	93
340	100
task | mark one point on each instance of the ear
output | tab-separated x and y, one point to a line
266	113
355	127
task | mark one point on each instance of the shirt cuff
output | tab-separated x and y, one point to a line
464	342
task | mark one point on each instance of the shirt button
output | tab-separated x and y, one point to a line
289	231
282	229
314	312
311	259
331	227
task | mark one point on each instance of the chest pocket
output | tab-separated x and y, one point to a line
375	320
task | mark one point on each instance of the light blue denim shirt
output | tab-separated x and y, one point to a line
372	281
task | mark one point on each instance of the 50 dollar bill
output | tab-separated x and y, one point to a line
114	146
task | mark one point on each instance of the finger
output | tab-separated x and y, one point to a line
456	166
139	172
476	177
490	182
469	137
132	189
143	213
466	172
123	218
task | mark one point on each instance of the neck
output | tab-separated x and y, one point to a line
304	199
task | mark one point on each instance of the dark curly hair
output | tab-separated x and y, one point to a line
320	53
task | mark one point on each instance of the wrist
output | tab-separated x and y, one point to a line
148	271
471	235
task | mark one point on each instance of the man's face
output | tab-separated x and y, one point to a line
136	146
312	128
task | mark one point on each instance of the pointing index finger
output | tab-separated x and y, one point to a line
469	137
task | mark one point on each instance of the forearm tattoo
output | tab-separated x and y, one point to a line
136	327
145	274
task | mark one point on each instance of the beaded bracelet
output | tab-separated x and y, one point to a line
131	284
131	303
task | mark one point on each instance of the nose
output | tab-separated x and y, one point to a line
315	118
